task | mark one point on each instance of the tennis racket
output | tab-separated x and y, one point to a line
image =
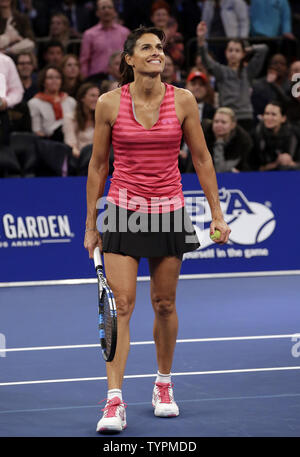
107	312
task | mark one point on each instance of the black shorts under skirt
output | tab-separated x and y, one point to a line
147	235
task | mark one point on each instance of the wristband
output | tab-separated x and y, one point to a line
90	230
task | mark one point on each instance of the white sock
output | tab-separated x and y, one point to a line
163	377
114	393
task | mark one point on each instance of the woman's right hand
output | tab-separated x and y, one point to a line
92	239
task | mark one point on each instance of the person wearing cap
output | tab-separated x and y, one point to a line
198	83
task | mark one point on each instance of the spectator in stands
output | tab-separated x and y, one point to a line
225	18
234	79
198	66
276	142
169	74
197	83
114	66
50	105
294	70
26	65
16	34
11	88
80	15
174	45
60	29
100	41
268	88
270	18
38	13
280	64
11	93
229	144
79	126
54	53
72	76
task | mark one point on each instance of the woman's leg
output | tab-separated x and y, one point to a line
164	278
121	274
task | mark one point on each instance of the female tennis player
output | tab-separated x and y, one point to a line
144	120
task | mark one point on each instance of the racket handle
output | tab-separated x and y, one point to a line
97	258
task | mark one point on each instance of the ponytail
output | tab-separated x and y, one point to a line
126	71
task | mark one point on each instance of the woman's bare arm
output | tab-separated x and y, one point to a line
202	160
98	167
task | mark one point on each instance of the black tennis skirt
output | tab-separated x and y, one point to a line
139	234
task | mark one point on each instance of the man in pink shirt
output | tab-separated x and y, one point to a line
102	40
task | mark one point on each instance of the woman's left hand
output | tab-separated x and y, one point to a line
220	224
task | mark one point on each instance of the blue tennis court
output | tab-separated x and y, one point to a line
235	371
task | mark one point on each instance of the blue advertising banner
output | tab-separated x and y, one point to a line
42	224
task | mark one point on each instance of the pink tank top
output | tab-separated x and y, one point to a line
146	177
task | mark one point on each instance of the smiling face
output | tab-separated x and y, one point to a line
273	117
148	55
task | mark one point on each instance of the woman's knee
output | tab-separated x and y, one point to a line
125	306
163	307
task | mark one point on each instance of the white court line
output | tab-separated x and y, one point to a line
67	282
190	373
66	240
140	343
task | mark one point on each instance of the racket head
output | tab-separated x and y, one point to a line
107	312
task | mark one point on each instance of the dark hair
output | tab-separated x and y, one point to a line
43	73
280	105
80	116
126	71
246	56
54	44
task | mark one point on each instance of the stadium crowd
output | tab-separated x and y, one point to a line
240	59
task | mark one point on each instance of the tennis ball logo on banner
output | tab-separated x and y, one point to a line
250	222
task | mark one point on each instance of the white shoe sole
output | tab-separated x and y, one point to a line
165	412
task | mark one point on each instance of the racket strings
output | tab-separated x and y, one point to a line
107	322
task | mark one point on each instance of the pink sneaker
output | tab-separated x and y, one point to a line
114	417
163	400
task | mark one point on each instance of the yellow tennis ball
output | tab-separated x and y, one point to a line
216	235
